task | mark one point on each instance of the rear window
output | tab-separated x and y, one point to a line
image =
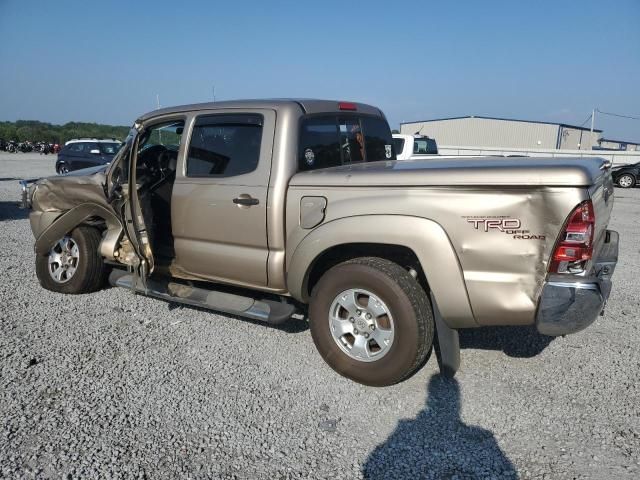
334	140
425	146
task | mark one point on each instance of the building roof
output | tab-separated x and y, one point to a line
502	119
628	142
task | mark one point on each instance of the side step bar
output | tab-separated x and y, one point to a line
268	311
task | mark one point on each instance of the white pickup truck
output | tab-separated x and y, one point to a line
414	147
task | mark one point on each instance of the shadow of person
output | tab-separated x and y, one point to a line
438	445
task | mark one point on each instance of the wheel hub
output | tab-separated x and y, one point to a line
63	260
361	325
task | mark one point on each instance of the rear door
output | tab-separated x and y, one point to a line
219	200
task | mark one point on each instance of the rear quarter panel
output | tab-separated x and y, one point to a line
503	273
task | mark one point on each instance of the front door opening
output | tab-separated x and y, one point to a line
156	163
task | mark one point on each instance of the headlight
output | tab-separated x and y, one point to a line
27	192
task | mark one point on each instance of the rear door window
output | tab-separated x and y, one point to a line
77	147
110	148
425	146
333	140
224	145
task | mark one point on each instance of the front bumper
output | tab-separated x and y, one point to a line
568	306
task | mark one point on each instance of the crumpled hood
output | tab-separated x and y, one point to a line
63	192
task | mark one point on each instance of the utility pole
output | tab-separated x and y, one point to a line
158	101
213	91
593	122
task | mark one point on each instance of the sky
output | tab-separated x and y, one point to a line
107	61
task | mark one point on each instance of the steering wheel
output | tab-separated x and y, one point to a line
150	158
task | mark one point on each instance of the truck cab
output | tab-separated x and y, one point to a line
265	208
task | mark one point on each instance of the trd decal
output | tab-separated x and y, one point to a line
504	224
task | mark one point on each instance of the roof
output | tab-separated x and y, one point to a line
628	142
502	119
93	140
304	105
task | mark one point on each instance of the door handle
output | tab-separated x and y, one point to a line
245	200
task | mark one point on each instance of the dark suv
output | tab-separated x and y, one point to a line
85	153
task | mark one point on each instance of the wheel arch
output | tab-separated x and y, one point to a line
411	241
86	213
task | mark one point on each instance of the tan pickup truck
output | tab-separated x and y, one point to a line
267	208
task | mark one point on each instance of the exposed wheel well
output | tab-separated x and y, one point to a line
403	256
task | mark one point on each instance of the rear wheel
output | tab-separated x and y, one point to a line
371	321
62	169
626	180
74	264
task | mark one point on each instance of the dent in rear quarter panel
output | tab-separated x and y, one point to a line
503	275
504	270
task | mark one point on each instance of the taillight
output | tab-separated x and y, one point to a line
575	245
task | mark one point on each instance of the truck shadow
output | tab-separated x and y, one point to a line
519	342
438	444
11	211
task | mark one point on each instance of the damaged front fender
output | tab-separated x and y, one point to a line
62	203
66	222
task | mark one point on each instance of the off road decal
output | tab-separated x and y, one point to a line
504	224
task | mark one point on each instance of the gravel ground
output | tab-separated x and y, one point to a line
117	385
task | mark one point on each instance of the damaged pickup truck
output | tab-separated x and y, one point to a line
267	208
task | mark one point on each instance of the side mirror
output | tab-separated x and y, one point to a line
95	151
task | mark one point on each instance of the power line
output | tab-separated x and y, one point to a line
588	118
632	117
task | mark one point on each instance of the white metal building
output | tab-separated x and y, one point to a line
608	144
504	133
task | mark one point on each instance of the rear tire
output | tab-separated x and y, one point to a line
626	181
83	257
409	324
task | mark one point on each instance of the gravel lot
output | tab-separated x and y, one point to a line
117	385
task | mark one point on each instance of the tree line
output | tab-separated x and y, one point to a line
35	131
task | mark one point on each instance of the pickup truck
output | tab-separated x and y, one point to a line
408	147
265	209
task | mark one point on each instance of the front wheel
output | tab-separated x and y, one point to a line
371	321
626	181
74	264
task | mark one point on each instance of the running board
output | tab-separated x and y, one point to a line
268	311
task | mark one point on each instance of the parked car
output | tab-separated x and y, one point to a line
414	146
85	153
267	208
626	176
